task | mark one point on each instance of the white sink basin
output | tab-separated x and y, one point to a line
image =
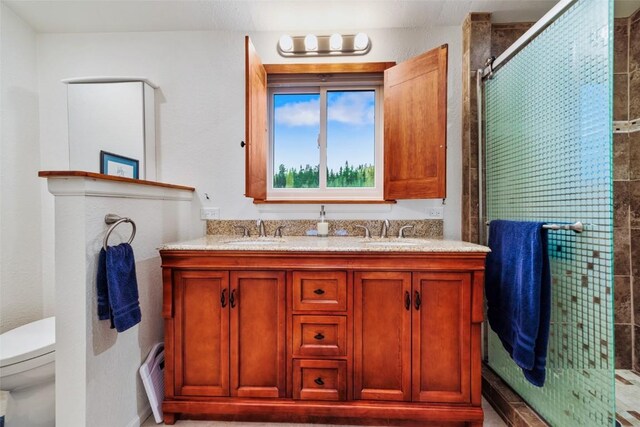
390	243
253	242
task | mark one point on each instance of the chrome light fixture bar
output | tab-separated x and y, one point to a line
333	45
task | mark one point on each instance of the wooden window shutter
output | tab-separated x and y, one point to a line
415	127
256	124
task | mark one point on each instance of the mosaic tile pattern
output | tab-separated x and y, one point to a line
628	398
549	158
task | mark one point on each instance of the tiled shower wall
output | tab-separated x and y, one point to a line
482	39
626	188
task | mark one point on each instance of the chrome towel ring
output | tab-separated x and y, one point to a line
116	221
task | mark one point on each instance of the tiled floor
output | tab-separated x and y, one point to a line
491	419
627	398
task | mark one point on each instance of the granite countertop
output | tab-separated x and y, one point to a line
322	244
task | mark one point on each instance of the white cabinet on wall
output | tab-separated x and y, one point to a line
114	115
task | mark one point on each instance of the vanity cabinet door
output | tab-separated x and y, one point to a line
201	325
258	350
382	336
441	334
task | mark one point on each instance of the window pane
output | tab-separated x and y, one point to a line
351	138
296	156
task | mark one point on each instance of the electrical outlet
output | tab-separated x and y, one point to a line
209	213
435	213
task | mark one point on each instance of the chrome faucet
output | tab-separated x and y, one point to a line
384	231
401	231
261	231
245	230
278	232
367	233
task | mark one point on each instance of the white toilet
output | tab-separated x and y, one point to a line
27	372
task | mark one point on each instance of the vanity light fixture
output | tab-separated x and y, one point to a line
335	42
286	43
310	43
333	45
360	41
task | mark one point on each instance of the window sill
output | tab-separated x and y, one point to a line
325	202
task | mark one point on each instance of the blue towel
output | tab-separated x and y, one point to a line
104	309
518	289
117	275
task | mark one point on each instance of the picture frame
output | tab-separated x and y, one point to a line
117	165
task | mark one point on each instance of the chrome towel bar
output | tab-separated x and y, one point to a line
116	220
577	227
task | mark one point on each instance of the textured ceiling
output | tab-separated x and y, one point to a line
271	15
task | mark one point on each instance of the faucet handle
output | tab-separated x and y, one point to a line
367	233
278	232
261	230
245	230
401	231
384	230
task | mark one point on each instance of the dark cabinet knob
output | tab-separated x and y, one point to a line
407	300
232	299
319	336
318	381
319	291
242	144
418	301
223	298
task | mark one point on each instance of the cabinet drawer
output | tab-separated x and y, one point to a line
319	379
320	290
319	335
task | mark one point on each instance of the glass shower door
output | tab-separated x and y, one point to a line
549	158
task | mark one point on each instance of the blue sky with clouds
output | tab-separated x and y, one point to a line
350	128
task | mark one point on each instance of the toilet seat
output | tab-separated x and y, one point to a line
28	346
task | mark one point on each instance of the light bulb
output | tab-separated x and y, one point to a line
286	43
361	41
335	42
311	42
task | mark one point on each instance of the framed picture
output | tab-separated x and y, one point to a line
113	164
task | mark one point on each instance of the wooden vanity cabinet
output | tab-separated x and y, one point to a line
441	337
412	336
229	329
201	326
382	336
348	338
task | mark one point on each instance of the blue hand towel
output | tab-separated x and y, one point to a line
518	289
120	302
104	309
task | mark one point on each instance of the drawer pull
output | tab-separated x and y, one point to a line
418	301
223	298
232	299
319	336
407	300
319	291
319	381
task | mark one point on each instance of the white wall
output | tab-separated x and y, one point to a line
200	108
96	367
21	291
200	122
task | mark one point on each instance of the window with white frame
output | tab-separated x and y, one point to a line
325	138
